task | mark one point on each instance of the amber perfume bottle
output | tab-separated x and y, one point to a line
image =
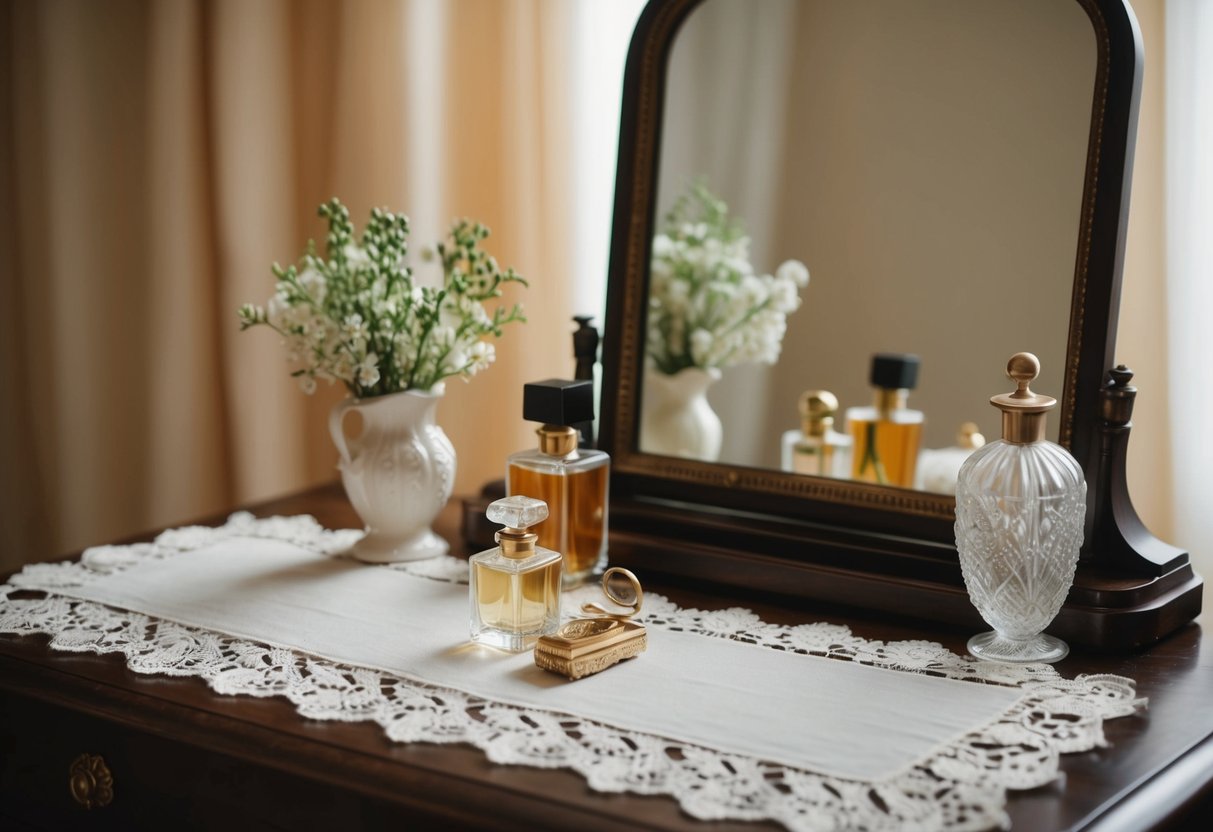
572	481
515	587
816	448
886	436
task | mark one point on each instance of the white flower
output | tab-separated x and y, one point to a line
307	384
367	374
314	284
701	343
794	271
482	355
784	297
443	336
276	311
356	257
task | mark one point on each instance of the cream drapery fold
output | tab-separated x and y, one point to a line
159	156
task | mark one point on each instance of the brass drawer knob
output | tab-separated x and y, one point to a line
90	781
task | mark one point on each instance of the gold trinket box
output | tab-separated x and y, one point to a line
585	646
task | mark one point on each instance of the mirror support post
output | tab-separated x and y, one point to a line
1118	537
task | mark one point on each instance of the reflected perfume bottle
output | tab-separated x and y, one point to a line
938	468
886	436
515	587
573	482
816	448
1020	506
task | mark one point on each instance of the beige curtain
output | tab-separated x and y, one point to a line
159	156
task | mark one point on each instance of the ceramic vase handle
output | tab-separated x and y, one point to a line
337	428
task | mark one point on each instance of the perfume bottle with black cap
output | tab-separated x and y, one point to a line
886	436
572	481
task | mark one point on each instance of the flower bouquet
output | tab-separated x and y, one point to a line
356	315
708	310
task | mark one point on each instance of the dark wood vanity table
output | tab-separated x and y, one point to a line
708	534
183	755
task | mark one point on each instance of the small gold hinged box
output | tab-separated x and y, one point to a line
585	646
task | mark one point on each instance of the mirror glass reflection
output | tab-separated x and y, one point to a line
923	160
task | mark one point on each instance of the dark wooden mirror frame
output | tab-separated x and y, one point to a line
870	546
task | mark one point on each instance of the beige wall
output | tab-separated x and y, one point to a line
931	179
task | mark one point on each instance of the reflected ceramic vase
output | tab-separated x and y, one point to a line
398	473
676	419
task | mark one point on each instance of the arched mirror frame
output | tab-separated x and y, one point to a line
876	546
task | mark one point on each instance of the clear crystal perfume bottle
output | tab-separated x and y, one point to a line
886	436
515	587
573	482
816	448
1020	506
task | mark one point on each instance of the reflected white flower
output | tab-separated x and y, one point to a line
794	271
703	284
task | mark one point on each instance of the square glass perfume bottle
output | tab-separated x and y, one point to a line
515	587
816	448
886	436
573	482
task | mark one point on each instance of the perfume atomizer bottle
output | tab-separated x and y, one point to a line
585	646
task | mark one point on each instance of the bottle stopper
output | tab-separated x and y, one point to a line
817	409
517	514
1023	411
557	405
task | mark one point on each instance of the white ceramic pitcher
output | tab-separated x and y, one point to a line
398	473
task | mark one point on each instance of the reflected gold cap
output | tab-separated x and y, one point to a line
969	436
817	409
1023	412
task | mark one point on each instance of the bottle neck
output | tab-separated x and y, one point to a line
889	399
516	543
557	440
1019	428
816	428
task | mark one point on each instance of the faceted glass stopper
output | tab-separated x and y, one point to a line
517	512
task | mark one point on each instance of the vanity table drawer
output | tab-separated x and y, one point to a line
156	783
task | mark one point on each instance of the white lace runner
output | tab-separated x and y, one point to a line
962	785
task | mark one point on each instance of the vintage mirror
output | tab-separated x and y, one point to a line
954	176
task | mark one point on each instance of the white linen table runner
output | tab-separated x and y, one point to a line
829	716
732	716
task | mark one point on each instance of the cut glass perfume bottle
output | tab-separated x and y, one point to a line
1020	506
515	587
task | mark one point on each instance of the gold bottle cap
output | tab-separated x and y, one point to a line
517	513
1023	412
817	409
970	437
557	440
